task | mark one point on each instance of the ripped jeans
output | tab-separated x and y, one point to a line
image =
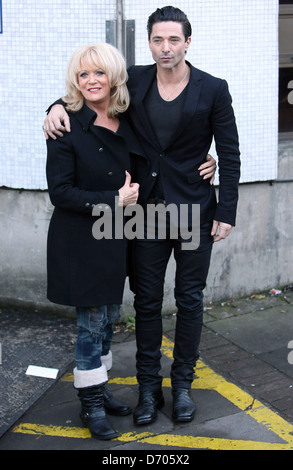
95	332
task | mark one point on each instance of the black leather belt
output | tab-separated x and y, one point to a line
156	200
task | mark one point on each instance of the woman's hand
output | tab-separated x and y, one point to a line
128	194
208	169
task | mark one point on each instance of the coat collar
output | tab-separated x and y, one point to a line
86	117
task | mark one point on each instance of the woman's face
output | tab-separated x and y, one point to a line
94	85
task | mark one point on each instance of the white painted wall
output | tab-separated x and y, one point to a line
233	39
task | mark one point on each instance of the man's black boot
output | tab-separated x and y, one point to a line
148	404
183	405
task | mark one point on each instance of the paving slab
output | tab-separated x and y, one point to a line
258	332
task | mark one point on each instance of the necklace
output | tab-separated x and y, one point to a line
168	96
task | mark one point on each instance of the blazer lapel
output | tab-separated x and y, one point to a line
191	101
139	96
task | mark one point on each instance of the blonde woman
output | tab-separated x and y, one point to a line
91	166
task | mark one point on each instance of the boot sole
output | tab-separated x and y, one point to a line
101	437
105	438
183	419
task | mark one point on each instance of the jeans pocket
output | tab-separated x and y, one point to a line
93	320
113	313
98	320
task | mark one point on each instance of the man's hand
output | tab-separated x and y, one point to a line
56	122
208	169
220	230
128	194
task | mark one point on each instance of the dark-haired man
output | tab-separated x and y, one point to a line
176	110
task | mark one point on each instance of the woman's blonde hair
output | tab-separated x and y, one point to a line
106	58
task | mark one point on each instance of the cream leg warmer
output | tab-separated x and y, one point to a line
107	360
89	378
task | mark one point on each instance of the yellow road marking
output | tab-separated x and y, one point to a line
71	432
170	440
206	379
55	431
210	443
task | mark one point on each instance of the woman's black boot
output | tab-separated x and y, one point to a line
91	388
93	414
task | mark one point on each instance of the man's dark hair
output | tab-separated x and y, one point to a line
169	13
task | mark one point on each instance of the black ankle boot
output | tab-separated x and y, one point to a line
93	413
148	404
113	406
183	405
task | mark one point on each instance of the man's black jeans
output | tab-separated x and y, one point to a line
150	262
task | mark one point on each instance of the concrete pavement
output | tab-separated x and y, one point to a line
243	383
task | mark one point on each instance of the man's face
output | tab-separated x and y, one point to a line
167	44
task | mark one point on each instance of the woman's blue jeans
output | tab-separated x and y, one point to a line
95	332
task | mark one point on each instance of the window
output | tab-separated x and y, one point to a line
1	17
286	69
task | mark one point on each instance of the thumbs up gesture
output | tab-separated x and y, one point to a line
128	194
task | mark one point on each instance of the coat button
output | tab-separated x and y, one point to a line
110	173
154	174
101	149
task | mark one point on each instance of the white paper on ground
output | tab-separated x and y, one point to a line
42	372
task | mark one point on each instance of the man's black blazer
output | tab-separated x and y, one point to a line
207	113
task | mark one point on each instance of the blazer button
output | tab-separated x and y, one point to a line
110	173
87	204
101	149
154	174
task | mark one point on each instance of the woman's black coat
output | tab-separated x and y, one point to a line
85	168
